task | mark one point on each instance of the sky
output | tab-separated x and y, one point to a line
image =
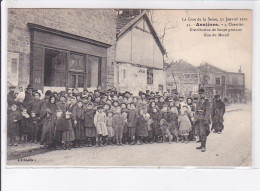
227	53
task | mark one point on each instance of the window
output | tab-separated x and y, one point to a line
160	89
149	76
77	71
217	81
12	68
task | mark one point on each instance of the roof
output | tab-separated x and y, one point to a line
182	66
123	23
211	66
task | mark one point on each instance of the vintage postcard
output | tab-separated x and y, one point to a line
128	87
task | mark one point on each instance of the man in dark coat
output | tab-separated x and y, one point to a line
28	96
217	114
11	96
202	119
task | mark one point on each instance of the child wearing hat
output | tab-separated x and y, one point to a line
100	124
13	119
90	130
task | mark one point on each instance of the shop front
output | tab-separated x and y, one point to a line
61	61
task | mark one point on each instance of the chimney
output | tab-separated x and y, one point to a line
240	70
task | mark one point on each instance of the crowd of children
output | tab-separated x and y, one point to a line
74	119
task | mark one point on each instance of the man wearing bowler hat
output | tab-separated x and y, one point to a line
202	119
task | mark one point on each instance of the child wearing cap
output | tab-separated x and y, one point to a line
13	119
100	124
110	129
90	130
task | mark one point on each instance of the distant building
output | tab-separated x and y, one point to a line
218	81
139	54
182	77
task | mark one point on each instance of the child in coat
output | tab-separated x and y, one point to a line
35	126
26	131
125	131
100	124
68	135
110	129
155	116
131	123
78	123
59	128
13	119
90	129
142	128
118	123
173	123
184	126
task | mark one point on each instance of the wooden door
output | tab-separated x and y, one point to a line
37	67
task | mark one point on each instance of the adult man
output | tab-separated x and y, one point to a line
11	96
35	104
202	119
218	110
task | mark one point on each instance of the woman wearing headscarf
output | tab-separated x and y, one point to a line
48	116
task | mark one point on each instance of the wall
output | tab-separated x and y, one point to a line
96	24
138	46
235	79
134	79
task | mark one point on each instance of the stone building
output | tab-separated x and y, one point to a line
61	48
139	54
182	77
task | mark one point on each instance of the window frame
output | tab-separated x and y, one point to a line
149	77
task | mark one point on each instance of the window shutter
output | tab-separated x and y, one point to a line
103	72
37	67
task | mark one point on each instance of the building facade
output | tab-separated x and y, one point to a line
139	54
218	81
182	77
61	48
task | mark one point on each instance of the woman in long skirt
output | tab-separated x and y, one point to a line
48	116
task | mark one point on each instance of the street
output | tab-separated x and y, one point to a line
231	148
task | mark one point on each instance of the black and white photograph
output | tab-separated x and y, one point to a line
128	87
